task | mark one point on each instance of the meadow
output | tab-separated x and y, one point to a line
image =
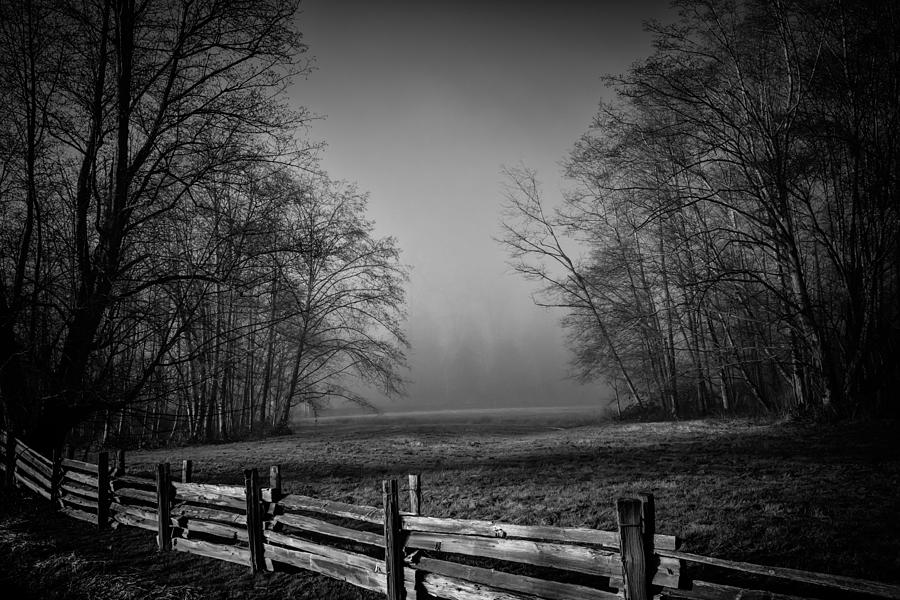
821	498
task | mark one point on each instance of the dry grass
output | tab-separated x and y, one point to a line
822	499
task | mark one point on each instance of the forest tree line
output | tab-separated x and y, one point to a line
730	240
174	264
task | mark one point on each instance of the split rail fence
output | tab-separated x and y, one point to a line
399	554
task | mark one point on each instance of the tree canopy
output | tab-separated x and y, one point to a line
730	238
174	263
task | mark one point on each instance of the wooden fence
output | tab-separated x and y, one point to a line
400	553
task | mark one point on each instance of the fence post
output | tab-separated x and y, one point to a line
275	482
163	503
10	457
631	543
187	470
102	490
56	476
254	520
393	550
415	493
648	523
120	461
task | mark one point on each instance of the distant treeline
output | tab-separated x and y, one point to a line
173	263
738	203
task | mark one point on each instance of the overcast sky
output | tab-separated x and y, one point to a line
424	102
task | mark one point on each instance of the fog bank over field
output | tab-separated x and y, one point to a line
424	104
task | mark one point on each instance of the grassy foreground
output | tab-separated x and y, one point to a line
823	499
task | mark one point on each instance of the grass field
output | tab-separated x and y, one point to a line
823	499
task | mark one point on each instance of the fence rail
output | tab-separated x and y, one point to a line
401	554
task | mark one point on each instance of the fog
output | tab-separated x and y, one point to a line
423	103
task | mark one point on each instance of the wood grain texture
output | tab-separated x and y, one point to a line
37	488
210	514
82	478
36	475
579	535
393	544
133	494
33	456
569	558
441	586
227	532
213	495
228	553
325	528
254	519
135	521
80	515
337	554
634	555
80	490
368	575
549	590
369	514
135	511
163	505
79	502
79	465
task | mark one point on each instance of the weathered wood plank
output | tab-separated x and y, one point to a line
210	514
228	553
79	514
31	485
442	586
79	501
80	490
33	455
28	458
570	558
849	584
581	559
370	577
549	590
325	528
81	478
146	514
36	475
133	494
229	532
204	494
337	554
235	491
578	535
369	514
135	521
80	465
